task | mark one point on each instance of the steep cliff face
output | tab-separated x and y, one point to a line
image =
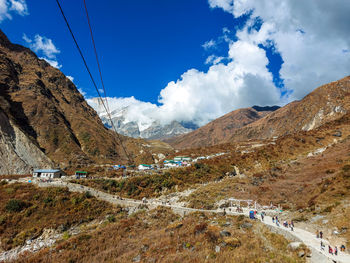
48	109
18	154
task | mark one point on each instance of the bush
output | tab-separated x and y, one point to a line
111	218
15	205
87	194
346	168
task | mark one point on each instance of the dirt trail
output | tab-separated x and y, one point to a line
309	239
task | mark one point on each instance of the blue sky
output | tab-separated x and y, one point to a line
143	45
190	60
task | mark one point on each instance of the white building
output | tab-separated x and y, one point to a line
56	173
144	167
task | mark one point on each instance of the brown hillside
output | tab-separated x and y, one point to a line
327	103
49	109
219	130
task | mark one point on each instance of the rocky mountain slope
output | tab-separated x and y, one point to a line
146	129
221	129
43	114
326	103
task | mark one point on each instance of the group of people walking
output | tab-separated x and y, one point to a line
286	224
332	251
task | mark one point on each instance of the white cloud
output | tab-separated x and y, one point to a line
199	97
209	44
45	46
54	63
19	6
82	92
70	78
213	59
311	37
7	7
311	58
101	91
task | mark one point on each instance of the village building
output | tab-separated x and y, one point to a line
48	173
182	159
80	174
144	167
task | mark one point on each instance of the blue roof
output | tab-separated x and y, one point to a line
46	171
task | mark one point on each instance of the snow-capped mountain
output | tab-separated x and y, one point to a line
147	127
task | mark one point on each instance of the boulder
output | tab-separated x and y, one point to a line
247	225
232	242
294	245
225	233
337	134
137	258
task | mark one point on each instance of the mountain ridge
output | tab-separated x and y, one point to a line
326	103
218	130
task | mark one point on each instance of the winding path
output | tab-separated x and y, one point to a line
309	239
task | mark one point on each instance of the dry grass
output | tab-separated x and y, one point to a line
26	210
155	184
160	236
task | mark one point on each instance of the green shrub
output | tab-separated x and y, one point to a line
87	195
66	235
2	219
15	205
111	218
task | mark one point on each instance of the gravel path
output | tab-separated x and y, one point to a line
309	239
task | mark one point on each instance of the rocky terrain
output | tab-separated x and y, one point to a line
43	114
326	103
221	129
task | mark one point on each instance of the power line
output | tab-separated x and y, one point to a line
92	79
95	50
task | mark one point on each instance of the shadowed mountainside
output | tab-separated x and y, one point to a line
41	102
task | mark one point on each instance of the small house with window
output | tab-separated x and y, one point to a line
48	173
80	174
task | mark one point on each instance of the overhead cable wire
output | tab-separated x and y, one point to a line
95	50
92	79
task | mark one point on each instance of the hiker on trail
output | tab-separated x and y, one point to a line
292	223
321	234
342	248
336	251
262	216
224	211
317	234
291	227
322	245
273	219
330	250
